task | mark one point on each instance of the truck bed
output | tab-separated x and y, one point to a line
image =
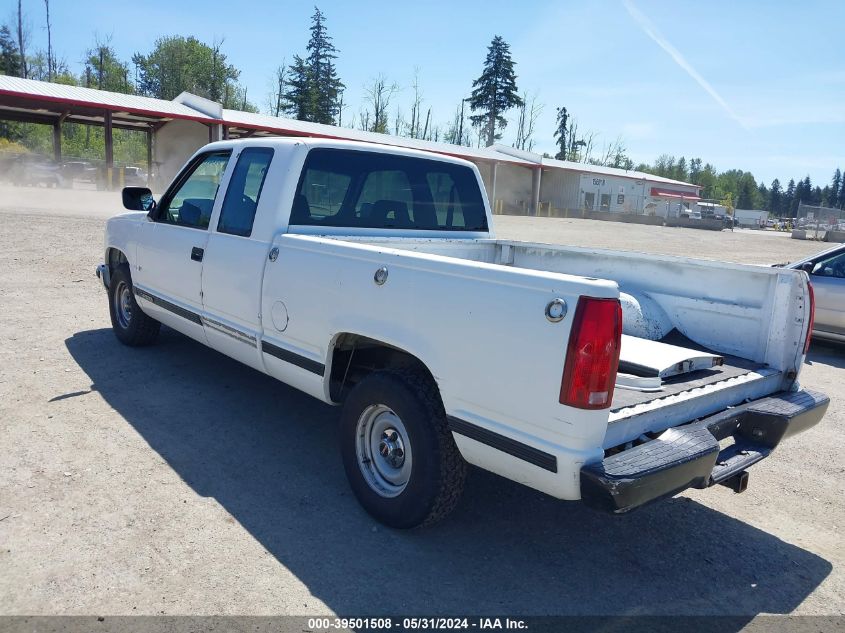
751	316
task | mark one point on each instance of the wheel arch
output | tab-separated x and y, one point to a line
115	257
352	356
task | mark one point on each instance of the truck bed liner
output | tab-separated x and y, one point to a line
732	367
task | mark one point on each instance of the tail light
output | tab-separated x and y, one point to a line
592	358
812	317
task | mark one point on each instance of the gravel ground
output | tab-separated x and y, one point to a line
174	480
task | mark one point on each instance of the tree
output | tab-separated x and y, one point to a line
529	112
416	107
789	200
277	96
298	94
695	171
456	133
324	82
842	195
681	170
762	197
177	64
747	192
775	197
378	93
613	155
837	188
727	202
494	92
107	71
561	132
10	59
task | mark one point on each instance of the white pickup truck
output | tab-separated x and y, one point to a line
369	276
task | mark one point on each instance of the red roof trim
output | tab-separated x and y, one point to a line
105	106
673	193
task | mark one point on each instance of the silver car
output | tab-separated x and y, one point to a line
827	275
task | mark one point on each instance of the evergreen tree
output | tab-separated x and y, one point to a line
836	189
842	195
775	197
322	74
494	92
298	96
10	59
789	199
695	171
762	199
746	192
561	132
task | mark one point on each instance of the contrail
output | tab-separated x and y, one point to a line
679	59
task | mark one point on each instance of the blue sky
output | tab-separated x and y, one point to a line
750	85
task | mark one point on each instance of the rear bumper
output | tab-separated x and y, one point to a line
689	456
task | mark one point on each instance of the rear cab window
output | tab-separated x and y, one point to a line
351	188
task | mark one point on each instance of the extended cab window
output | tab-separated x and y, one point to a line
238	212
350	188
190	201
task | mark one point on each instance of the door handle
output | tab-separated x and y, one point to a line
197	253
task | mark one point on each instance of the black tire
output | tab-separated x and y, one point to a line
437	472
131	327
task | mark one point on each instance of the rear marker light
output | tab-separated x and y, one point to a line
592	358
812	317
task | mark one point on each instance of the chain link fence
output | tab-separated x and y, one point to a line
818	222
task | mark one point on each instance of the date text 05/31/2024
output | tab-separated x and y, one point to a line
387	623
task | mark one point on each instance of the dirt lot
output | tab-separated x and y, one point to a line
173	480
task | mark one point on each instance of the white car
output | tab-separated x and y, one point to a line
369	277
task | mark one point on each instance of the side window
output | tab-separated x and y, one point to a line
238	212
831	267
192	199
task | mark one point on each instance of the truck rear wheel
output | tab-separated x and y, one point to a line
399	455
130	325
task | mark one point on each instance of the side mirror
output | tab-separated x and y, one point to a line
138	199
808	267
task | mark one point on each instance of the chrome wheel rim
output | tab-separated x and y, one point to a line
383	450
123	304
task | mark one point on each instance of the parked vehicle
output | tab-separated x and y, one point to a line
827	276
29	170
79	170
134	176
369	276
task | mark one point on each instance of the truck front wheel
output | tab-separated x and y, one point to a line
130	325
399	455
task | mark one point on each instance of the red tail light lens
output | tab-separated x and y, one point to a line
592	358
812	317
